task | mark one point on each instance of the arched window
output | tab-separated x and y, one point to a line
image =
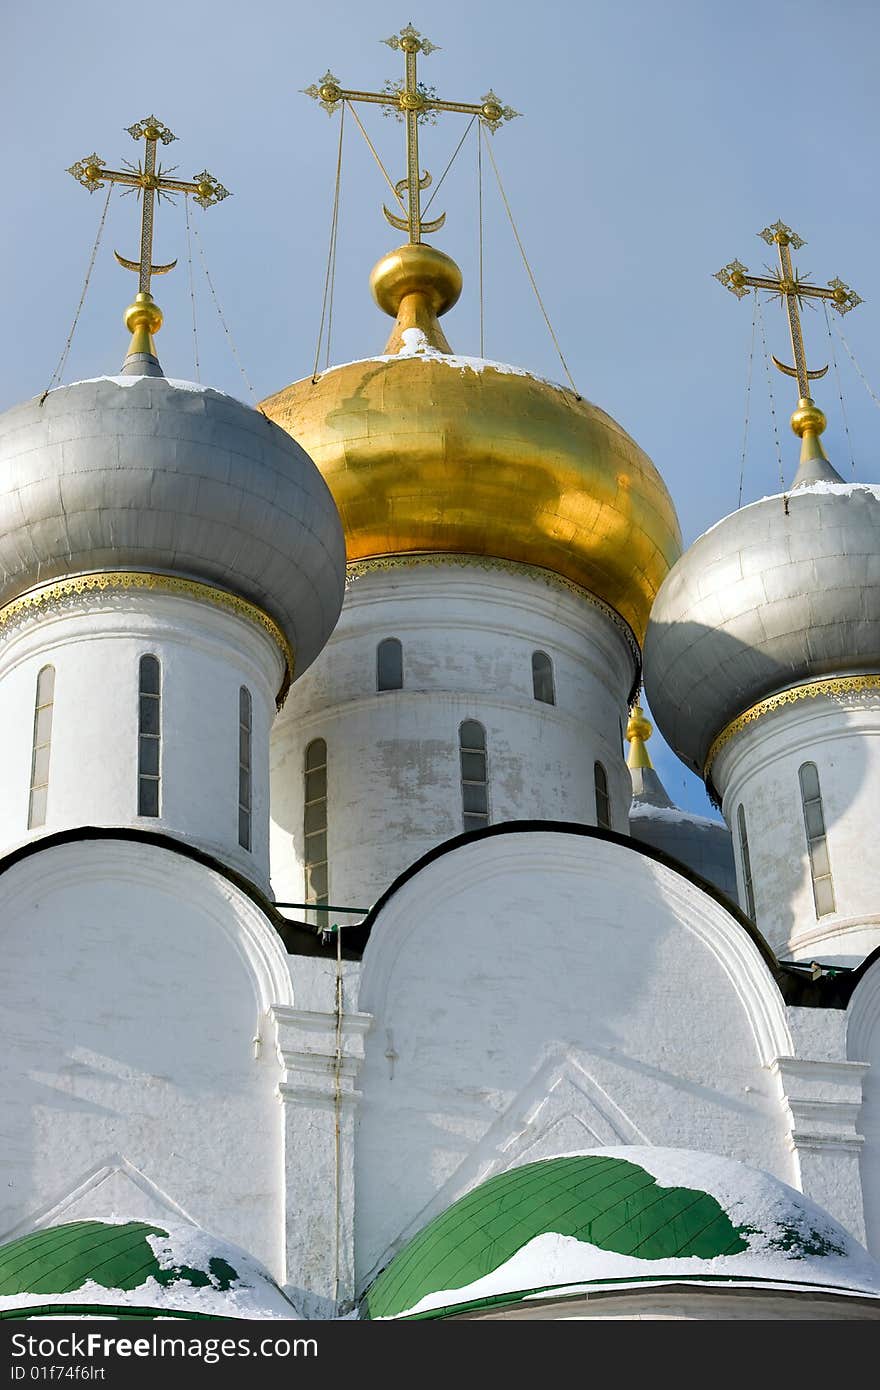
542	678
474	775
149	735
603	801
315	828
817	844
245	725
45	699
389	665
746	862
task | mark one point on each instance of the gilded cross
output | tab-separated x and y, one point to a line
151	181
792	289
410	100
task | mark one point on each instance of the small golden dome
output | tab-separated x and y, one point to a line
429	453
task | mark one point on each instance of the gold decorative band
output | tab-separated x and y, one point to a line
832	686
109	581
357	569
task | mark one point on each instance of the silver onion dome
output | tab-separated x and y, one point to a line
144	473
783	591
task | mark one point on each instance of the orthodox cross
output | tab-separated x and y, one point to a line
413	102
151	181
792	289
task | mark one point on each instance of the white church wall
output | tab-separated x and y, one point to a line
863	1046
758	769
394	783
135	983
538	992
95	643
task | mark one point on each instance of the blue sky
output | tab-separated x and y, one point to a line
655	143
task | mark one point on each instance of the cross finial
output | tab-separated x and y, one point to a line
793	291
143	318
411	101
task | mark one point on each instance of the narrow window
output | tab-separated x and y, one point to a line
746	862
149	735
817	845
474	775
389	665
45	699
603	801
542	678
245	722
315	828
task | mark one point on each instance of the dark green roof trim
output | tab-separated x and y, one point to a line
117	1310
715	1282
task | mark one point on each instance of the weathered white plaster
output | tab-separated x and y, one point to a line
135	983
863	1046
758	769
95	642
509	957
468	635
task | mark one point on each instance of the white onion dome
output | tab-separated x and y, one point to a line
781	592
145	473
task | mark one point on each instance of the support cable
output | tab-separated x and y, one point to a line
529	273
330	274
62	361
852	456
852	357
770	394
337	1106
742	464
220	315
192	290
480	226
353	109
439	183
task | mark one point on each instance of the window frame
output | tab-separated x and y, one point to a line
389	644
147	738
245	768
471	787
318	837
817	842
543	672
38	792
746	861
603	823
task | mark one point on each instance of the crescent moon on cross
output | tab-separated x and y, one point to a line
790	371
136	265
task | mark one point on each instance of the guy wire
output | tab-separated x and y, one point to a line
742	465
330	274
852	456
62	361
770	393
192	289
530	275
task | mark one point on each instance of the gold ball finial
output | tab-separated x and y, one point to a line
808	418
143	314
421	270
415	284
638	727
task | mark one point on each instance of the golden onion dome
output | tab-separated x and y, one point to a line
430	453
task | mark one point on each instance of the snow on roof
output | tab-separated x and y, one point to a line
627	1216
118	1263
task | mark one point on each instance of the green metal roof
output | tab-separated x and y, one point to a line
608	1202
631	1215
61	1259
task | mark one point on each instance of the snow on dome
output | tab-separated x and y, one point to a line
112	1267
623	1217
